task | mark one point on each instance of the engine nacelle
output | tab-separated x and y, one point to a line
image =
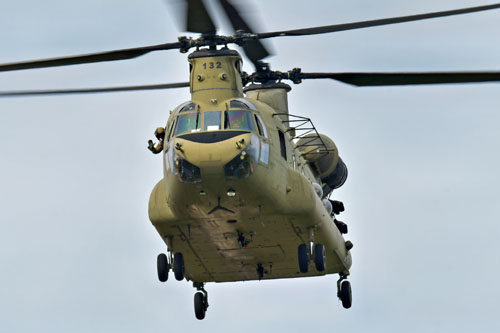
322	154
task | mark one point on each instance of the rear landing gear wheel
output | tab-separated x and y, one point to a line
320	257
179	266
200	307
345	294
303	255
163	267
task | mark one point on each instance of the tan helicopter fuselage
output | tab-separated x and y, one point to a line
236	191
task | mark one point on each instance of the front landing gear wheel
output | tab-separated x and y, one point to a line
345	294
320	257
200	307
179	266
303	255
163	267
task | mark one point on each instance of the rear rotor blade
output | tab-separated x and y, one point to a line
198	19
89	58
254	49
373	23
400	79
92	90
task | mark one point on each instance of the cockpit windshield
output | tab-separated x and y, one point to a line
238	119
211	121
187	123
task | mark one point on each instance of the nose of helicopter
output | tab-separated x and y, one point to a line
233	158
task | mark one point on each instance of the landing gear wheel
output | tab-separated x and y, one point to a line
346	294
200	300
320	257
163	267
199	305
179	266
303	255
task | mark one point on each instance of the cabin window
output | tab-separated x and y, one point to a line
260	126
239	119
282	144
187	123
211	121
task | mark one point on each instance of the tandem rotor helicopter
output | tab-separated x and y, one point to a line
246	188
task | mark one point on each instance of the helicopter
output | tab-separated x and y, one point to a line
211	205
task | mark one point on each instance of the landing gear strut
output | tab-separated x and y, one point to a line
344	292
200	301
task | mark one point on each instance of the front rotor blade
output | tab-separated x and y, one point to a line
89	58
373	23
198	18
254	49
401	79
91	90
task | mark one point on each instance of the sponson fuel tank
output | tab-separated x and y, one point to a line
321	153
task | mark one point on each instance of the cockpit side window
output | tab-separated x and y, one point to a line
260	126
238	119
187	123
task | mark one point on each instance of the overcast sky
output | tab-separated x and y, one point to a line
77	250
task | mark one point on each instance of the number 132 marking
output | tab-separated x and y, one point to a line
212	65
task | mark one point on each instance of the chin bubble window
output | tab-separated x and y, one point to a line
181	168
243	165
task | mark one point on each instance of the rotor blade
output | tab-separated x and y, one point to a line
198	19
401	79
373	23
91	90
89	58
254	50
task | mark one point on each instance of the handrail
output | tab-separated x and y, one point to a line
304	128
